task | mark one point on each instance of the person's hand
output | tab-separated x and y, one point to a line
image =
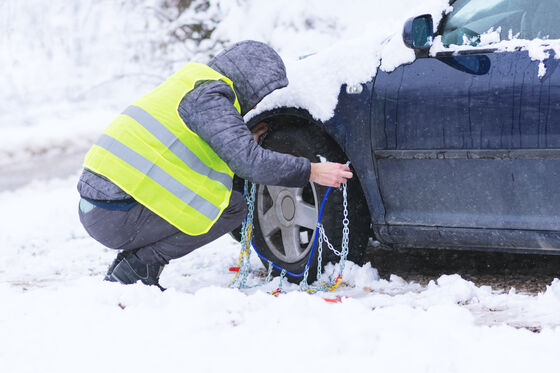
330	174
259	130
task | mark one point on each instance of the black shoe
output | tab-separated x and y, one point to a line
117	260
130	269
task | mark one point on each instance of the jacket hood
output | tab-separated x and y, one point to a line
255	70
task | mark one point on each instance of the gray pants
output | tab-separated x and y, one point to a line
156	240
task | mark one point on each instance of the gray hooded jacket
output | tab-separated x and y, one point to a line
255	70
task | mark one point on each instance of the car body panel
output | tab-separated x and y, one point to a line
456	148
350	127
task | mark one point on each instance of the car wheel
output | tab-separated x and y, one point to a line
285	218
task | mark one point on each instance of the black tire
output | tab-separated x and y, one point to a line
299	138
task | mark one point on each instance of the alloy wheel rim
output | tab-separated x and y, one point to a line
287	220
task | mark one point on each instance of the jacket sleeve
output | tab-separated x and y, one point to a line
209	112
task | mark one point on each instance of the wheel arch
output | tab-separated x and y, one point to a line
303	115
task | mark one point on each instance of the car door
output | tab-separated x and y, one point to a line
467	145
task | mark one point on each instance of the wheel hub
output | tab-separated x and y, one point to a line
287	220
288	208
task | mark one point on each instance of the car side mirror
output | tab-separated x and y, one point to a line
418	32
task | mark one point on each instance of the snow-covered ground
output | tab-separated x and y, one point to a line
57	315
69	68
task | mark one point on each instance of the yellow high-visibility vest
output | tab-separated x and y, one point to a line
151	154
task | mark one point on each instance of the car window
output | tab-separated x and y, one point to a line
523	19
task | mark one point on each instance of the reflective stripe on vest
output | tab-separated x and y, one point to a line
167	138
159	176
151	154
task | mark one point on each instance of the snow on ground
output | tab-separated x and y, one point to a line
70	69
58	315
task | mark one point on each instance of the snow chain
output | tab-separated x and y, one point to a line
243	268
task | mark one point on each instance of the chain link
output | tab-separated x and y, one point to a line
269	273
345	229
282	276
323	236
303	285
240	279
319	254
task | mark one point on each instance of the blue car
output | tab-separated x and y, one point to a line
457	150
